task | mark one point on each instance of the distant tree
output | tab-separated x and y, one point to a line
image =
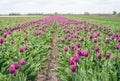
14	14
86	13
119	14
114	12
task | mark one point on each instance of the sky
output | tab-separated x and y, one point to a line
60	6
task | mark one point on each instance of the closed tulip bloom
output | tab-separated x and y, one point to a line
86	53
65	48
5	34
76	58
82	38
12	42
98	33
12	69
117	46
37	33
1	40
72	61
69	39
22	61
79	44
113	37
63	40
16	65
25	38
72	46
99	56
106	41
118	39
73	68
75	36
90	36
79	52
21	49
97	48
26	47
95	40
108	54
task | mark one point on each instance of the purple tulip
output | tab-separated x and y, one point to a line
72	61
79	44
1	40
82	38
99	56
37	33
117	46
113	37
22	62
26	47
76	58
90	36
16	65
21	49
75	36
69	39
98	33
86	53
79	52
108	54
97	48
12	69
118	39
25	38
95	40
73	68
106	41
72	47
12	42
63	40
65	48
5	34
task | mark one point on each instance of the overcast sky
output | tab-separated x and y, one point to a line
60	6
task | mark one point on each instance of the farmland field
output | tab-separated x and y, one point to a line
60	48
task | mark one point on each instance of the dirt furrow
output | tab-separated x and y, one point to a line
47	74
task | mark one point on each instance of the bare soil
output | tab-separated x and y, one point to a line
47	74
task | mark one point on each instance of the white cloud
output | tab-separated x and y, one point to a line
61	6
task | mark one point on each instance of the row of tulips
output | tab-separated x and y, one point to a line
23	49
88	52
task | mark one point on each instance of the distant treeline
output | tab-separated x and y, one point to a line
34	14
41	14
14	14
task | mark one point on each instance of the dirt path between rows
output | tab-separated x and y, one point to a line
47	74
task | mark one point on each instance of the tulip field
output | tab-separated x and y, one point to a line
88	48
